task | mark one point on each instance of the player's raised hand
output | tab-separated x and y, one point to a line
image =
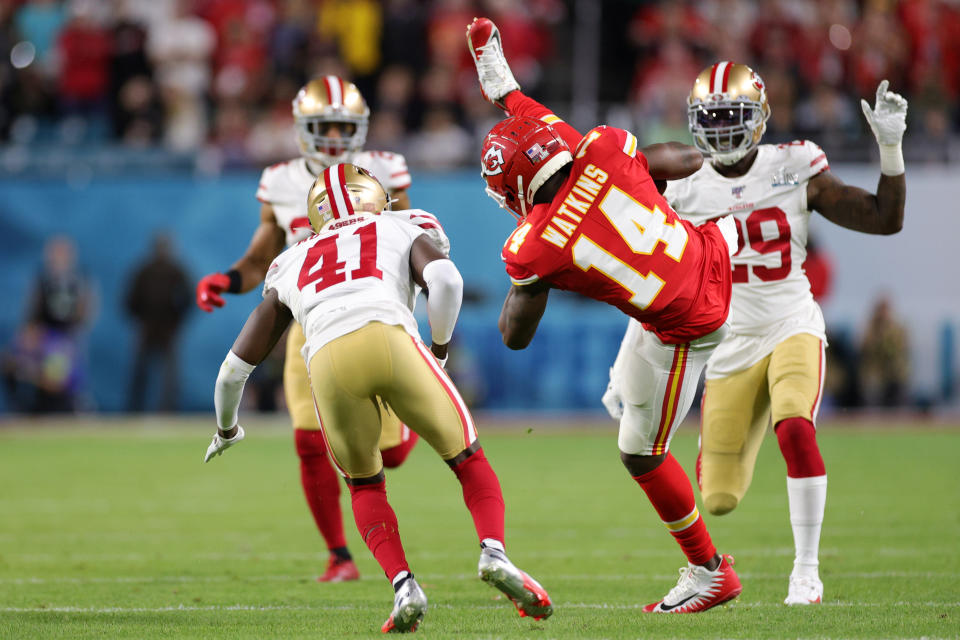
888	118
219	443
209	289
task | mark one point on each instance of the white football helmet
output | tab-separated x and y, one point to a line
325	101
727	111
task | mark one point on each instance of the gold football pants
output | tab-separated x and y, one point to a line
354	374
296	389
737	409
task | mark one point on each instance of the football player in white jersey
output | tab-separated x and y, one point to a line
352	288
770	367
331	124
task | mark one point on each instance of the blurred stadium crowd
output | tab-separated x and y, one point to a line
213	79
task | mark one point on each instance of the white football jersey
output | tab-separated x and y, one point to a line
285	187
356	272
771	293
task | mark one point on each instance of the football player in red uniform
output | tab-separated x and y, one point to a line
591	220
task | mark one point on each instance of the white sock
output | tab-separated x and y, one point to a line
400	577
808	498
492	543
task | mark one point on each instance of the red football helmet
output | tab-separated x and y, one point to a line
518	156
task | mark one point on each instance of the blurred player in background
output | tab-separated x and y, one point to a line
591	220
352	287
331	122
771	364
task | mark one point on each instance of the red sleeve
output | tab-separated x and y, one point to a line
519	104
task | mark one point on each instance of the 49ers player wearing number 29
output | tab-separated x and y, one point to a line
331	120
591	220
770	367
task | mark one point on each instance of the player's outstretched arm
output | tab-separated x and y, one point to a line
521	313
855	208
443	284
672	160
249	271
259	335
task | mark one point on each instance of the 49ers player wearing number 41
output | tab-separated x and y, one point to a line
591	220
352	287
770	367
331	124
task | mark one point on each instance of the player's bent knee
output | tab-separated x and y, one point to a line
719	504
789	403
637	465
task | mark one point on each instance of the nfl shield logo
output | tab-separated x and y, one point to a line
738	191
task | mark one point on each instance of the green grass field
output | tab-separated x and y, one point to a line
119	531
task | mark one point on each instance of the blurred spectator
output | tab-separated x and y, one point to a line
180	47
44	369
135	106
884	357
158	297
83	50
39	22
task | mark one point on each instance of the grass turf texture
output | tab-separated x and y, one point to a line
121	532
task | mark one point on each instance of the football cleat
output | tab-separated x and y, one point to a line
486	49
526	593
409	605
804	590
699	589
339	570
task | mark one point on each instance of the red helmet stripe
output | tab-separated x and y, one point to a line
335	181
726	76
718	77
334	90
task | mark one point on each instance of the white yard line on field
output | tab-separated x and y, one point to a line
602	577
560	605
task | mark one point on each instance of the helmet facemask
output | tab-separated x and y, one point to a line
318	145
727	111
331	120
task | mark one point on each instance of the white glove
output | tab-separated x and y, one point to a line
888	120
219	443
612	400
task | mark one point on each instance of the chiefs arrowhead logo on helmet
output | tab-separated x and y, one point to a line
492	161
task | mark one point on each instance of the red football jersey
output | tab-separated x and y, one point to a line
610	235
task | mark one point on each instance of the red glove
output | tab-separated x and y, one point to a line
209	289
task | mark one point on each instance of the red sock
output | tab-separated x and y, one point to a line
321	486
394	456
377	524
482	495
798	444
669	490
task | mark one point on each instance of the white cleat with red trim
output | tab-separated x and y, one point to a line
409	605
486	49
804	590
700	589
526	593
